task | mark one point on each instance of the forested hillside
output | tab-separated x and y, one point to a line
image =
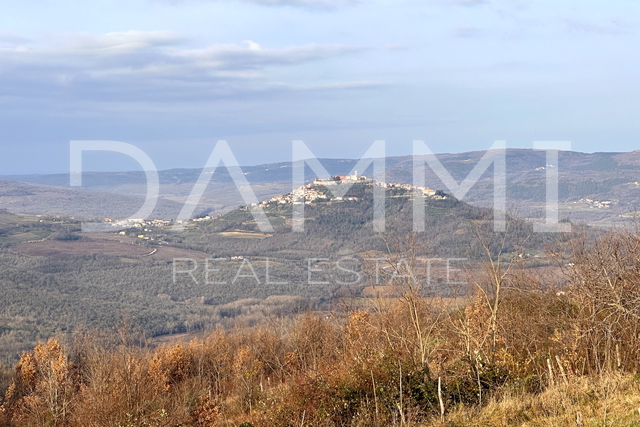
55	279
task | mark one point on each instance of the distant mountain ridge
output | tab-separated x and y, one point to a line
598	188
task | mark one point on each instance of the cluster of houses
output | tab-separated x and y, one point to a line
202	218
138	222
312	192
142	224
338	179
595	203
306	194
408	187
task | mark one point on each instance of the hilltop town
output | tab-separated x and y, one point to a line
308	194
315	191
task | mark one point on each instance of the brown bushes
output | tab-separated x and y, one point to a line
605	288
374	366
43	390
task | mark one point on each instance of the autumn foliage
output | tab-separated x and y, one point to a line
378	365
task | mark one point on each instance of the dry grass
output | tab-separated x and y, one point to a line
609	400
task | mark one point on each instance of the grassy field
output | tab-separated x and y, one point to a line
610	400
243	235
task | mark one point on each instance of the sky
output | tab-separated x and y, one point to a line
172	77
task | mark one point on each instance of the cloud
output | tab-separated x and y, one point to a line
322	5
468	3
253	56
394	47
612	27
346	85
117	43
467	32
308	4
333	86
7	38
149	67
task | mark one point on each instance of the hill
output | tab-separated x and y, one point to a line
39	199
598	188
55	278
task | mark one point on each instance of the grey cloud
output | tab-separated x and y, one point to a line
149	66
346	85
253	56
7	38
123	42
